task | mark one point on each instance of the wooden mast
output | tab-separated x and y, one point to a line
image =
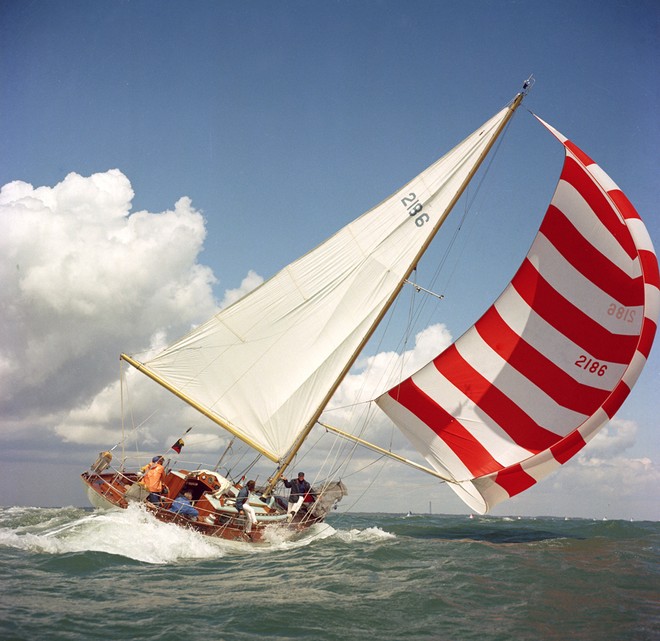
515	103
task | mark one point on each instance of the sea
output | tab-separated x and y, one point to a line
75	574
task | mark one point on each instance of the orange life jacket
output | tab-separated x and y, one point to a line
153	477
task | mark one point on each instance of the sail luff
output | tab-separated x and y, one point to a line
515	103
200	408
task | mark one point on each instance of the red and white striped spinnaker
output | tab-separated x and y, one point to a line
525	388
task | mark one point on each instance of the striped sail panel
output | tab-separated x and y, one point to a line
524	389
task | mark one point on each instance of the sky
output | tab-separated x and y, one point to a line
159	159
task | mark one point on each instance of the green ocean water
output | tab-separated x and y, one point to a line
75	574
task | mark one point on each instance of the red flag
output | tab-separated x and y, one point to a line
178	446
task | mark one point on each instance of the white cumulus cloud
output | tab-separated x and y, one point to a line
84	278
374	374
250	282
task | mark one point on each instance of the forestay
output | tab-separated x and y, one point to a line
265	366
553	359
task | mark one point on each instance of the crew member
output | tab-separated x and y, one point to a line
182	504
300	488
152	480
243	505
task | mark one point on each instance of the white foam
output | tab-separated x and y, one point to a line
366	535
132	533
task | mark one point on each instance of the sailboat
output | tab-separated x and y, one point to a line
511	400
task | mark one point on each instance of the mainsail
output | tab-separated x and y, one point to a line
524	389
265	367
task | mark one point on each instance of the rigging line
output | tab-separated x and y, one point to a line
348	406
388	453
364	467
121	396
377	347
415	318
228	449
365	420
239	461
248	467
351	449
345	450
469	203
374	478
341	460
399	360
403	354
123	385
135	428
321	476
327	463
402	359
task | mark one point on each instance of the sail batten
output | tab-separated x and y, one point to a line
554	357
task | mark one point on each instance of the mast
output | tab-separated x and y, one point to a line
284	464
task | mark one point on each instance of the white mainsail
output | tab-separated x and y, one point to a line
265	366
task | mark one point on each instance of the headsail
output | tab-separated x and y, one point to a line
265	365
553	359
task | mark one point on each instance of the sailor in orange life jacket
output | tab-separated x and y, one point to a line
153	479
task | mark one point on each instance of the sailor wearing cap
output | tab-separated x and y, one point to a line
299	489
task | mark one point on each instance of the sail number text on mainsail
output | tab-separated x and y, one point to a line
414	208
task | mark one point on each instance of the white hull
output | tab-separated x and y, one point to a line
97	500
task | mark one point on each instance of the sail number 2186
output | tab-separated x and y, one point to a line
414	208
590	365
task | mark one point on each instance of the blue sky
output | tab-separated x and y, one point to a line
281	122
